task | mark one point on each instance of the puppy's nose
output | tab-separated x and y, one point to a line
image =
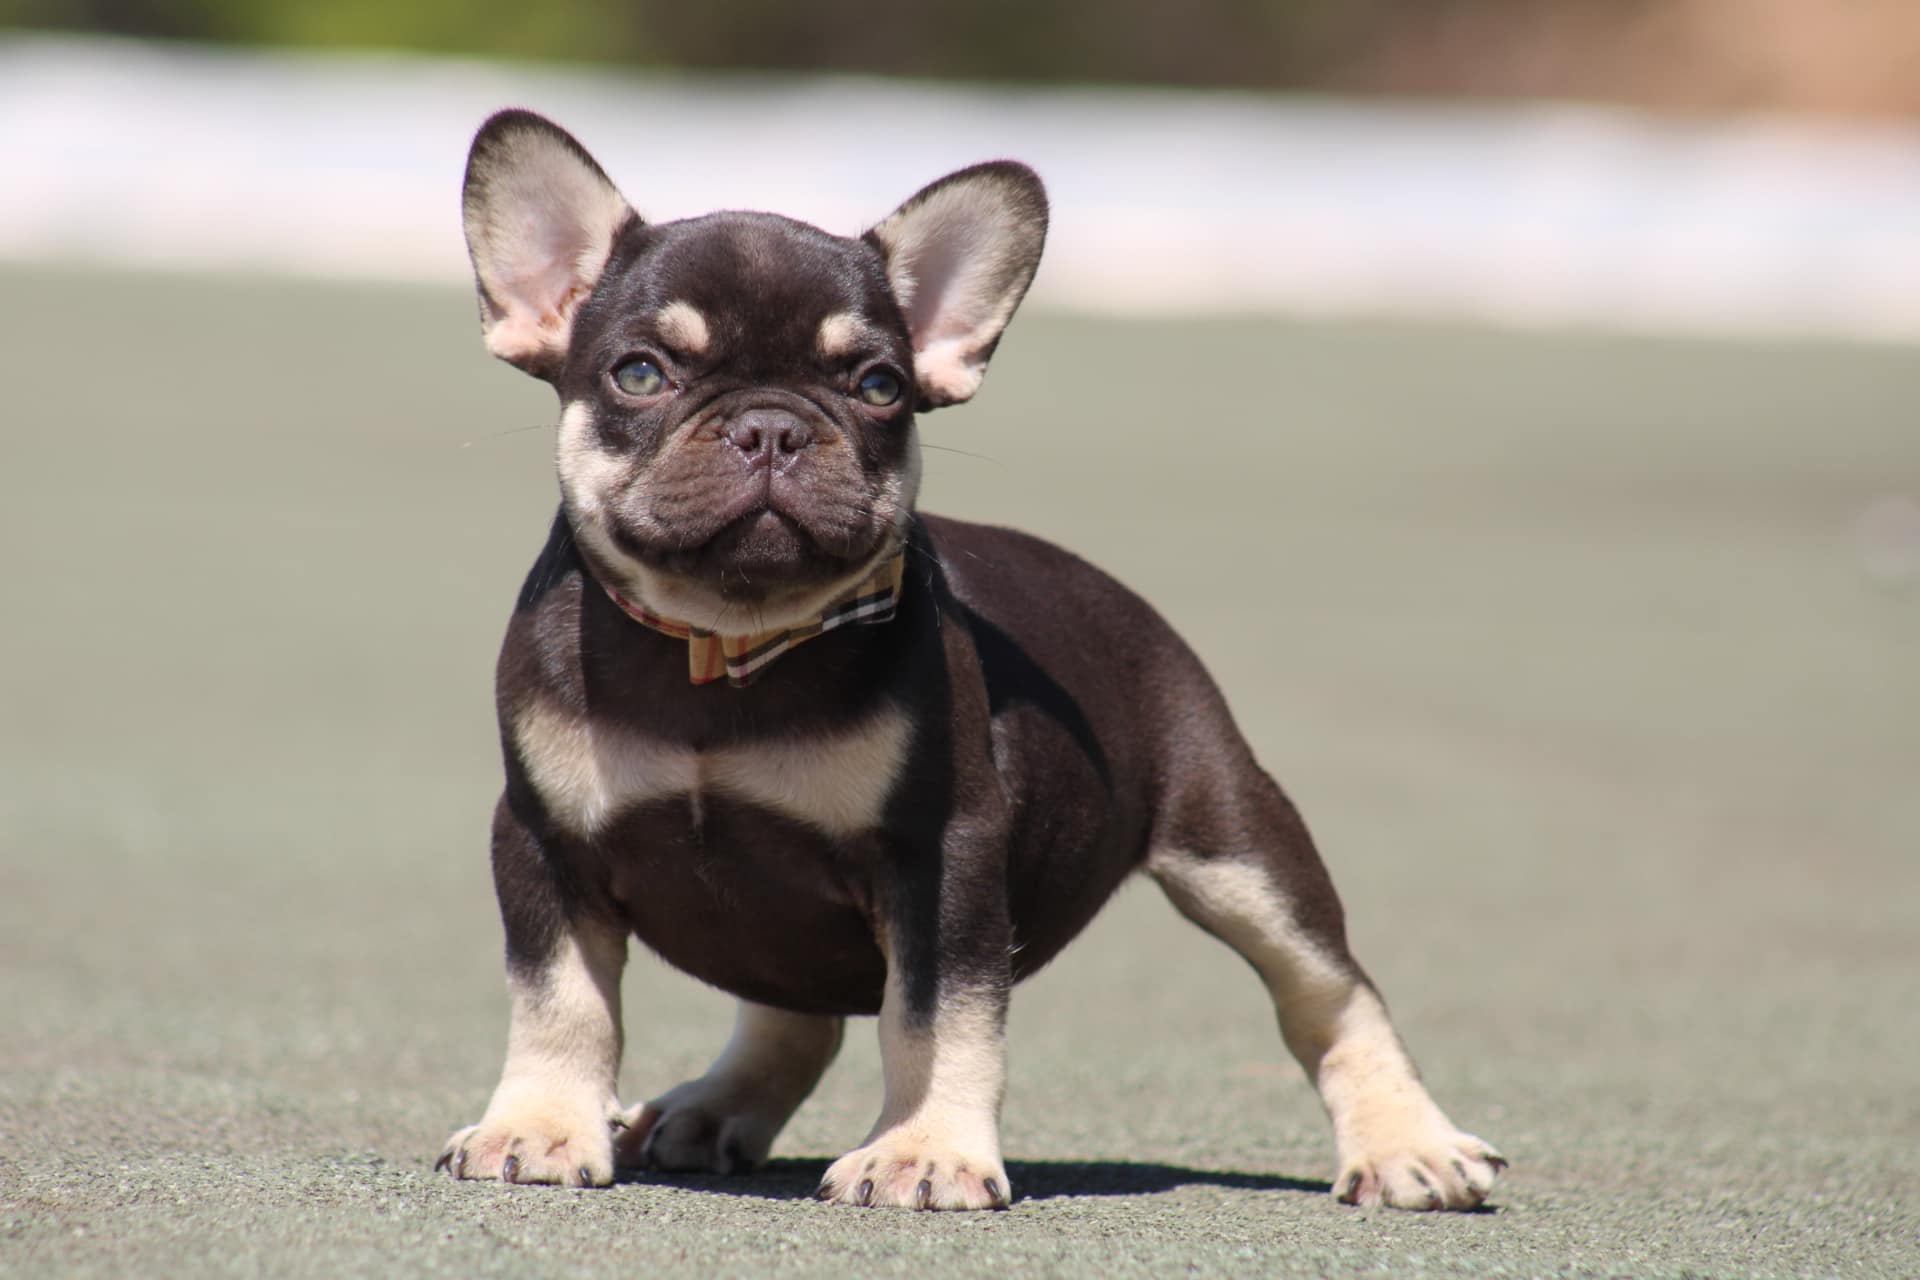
772	434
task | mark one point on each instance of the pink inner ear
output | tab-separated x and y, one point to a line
931	311
958	306
536	291
959	257
539	233
542	279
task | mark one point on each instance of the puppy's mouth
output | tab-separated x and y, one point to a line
765	542
757	543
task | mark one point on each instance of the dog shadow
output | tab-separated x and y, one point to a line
795	1178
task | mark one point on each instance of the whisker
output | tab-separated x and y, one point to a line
501	435
930	558
965	453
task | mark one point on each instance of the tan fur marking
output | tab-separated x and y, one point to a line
555	1101
588	473
777	1045
949	1077
940	1124
684	329
1396	1146
1318	1001
589	772
566	1020
1240	902
839	336
734	1111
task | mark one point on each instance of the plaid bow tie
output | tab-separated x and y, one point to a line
741	658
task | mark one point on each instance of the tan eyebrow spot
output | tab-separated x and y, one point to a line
682	327
839	334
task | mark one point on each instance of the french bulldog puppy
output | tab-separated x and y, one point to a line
827	754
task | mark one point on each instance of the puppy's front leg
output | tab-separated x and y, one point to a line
551	1117
942	1038
937	1142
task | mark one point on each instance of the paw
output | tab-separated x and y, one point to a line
702	1126
536	1141
1436	1167
910	1171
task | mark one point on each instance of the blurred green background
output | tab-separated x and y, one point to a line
1841	56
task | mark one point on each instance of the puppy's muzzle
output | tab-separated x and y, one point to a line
770	439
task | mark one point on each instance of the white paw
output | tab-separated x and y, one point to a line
702	1126
562	1141
1432	1166
908	1170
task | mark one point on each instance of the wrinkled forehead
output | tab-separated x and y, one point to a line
734	283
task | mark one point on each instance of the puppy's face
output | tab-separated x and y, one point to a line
737	432
739	410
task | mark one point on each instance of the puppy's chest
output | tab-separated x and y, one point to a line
746	865
590	773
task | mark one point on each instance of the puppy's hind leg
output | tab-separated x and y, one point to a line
726	1121
1247	872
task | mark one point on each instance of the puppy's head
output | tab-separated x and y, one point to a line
738	390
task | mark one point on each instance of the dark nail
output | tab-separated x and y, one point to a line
866	1192
586	1176
446	1158
1352	1194
825	1192
995	1195
510	1170
1495	1159
460	1164
923	1198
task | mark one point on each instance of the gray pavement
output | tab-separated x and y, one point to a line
1594	663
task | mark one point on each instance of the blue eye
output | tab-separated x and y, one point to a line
640	378
880	388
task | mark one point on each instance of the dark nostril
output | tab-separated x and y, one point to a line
793	436
768	431
745	436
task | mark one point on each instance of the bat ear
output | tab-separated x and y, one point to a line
540	218
960	255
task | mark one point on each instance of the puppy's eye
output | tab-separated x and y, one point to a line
640	378
880	387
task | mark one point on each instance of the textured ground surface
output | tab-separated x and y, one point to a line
1569	648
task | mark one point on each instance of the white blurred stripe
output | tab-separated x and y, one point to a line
1538	215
